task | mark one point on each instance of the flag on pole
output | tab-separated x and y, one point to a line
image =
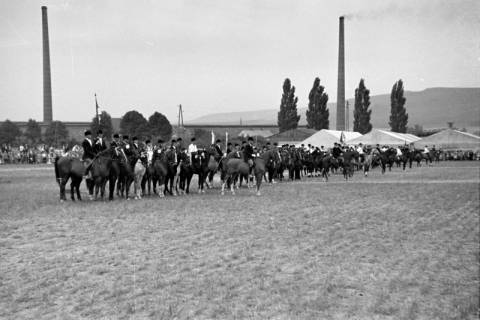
342	137
226	139
96	109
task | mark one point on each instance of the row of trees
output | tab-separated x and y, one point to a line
55	134
318	113
133	123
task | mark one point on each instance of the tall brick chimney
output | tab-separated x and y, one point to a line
341	79
47	80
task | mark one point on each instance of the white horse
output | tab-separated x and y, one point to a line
138	172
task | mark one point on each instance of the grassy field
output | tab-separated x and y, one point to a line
404	245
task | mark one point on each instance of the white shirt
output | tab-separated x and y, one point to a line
360	150
192	148
149	153
399	152
426	150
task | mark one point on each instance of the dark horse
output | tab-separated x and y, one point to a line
101	169
69	168
198	166
164	172
234	167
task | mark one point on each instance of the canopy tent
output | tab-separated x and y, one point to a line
292	136
383	137
255	133
327	138
450	139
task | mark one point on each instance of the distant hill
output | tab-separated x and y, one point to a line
431	108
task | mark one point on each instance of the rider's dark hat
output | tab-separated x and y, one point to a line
229	144
99	131
193	139
218	140
125	137
250	139
244	141
275	144
159	141
116	136
173	140
134	138
147	141
236	145
88	132
179	139
268	143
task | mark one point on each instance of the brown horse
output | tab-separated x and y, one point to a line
69	168
100	169
234	167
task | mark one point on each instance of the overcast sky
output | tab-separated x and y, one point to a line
220	56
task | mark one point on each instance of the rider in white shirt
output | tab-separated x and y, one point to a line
426	150
149	150
192	147
399	152
360	149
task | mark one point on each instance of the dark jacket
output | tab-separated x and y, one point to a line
336	151
248	152
88	150
348	156
219	151
99	145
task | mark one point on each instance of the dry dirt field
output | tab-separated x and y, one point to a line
404	245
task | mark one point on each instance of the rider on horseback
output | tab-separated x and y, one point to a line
88	153
361	153
218	148
192	148
248	153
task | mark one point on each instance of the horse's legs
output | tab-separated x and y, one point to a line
111	185
259	182
102	190
232	189
143	183
223	185
200	182
77	186
72	190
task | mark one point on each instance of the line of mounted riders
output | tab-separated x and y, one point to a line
125	162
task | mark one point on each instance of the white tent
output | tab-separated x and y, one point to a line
384	137
451	140
327	138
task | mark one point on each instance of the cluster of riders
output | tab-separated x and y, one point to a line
171	165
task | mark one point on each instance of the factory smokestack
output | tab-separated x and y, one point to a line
341	79
47	81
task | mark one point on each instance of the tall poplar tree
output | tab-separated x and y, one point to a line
317	112
398	116
361	113
287	116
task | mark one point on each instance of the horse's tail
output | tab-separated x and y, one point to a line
57	174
